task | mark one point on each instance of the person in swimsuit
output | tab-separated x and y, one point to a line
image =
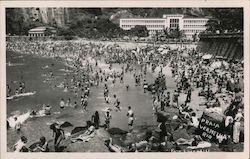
17	125
42	146
108	117
62	104
96	119
20	146
58	135
130	115
117	103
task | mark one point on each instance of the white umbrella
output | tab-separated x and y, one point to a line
184	54
219	64
160	49
216	65
133	51
163	46
164	52
208	56
126	38
219	57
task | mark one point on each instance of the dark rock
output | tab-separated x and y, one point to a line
114	131
66	124
78	129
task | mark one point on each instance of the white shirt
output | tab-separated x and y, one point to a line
195	122
130	113
18	146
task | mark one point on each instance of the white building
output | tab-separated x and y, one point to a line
42	31
38	31
189	25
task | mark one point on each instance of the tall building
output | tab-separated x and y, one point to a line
188	25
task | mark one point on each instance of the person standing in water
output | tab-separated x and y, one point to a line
117	103
130	115
62	103
108	117
17	125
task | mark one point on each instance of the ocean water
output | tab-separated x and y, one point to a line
32	72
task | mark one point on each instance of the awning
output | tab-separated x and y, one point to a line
208	56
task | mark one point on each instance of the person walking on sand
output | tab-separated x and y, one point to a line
236	127
96	119
58	135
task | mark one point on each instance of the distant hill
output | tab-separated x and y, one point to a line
20	20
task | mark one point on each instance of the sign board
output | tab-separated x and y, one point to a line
211	129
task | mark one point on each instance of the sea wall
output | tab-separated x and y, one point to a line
228	45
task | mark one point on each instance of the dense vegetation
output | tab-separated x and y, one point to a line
104	22
225	19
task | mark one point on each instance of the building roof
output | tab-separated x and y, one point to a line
196	17
172	15
38	29
142	18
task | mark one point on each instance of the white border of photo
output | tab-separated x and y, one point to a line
130	4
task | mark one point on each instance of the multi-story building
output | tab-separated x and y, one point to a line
188	25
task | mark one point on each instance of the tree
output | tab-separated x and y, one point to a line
140	31
166	32
67	33
194	37
225	19
176	33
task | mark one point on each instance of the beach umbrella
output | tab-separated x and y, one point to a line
164	52
133	51
126	38
185	55
219	57
219	64
207	56
200	54
160	49
138	49
163	46
216	65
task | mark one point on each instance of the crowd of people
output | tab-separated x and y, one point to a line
217	80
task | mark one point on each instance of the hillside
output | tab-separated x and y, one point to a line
77	21
20	20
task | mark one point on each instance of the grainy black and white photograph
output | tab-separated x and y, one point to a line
124	79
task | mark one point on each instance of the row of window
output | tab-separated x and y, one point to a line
192	31
143	21
154	31
148	26
194	26
174	20
195	21
36	34
174	25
